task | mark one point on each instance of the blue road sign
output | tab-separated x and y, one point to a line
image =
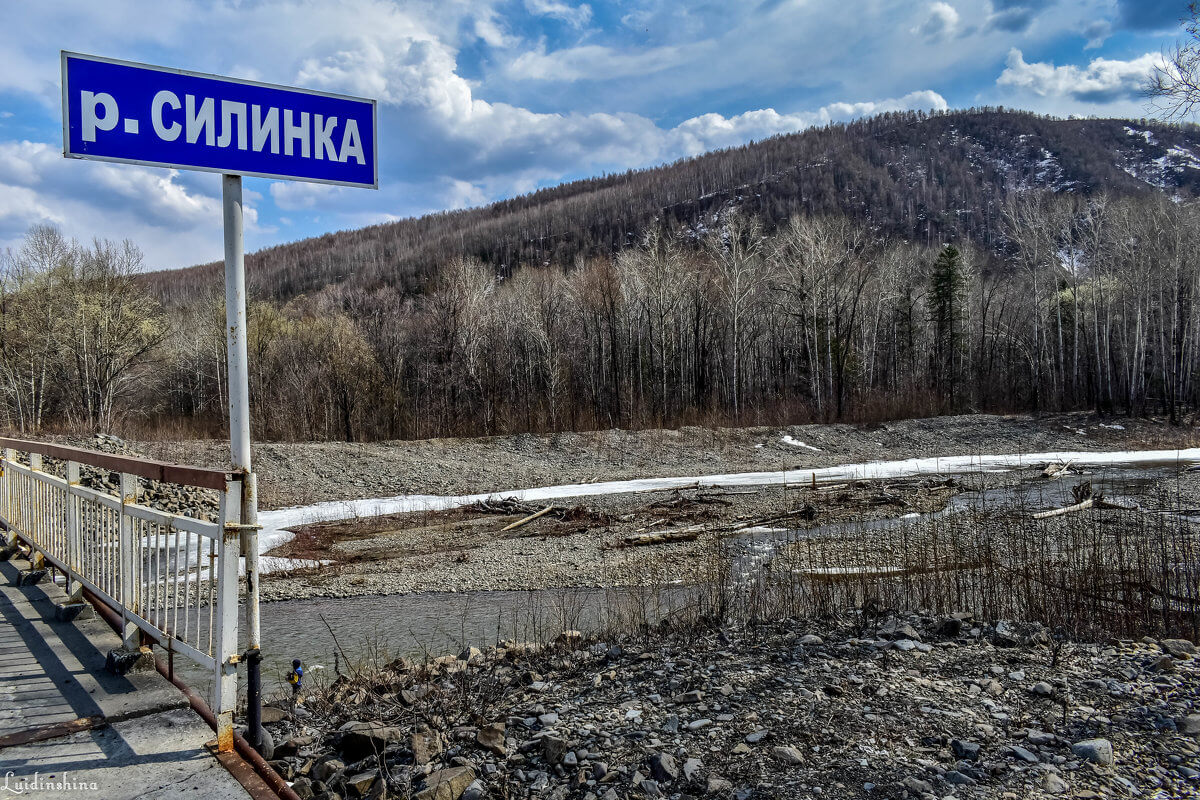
138	114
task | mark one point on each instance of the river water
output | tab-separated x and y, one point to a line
434	623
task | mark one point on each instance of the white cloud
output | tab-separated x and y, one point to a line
940	23
575	16
1103	80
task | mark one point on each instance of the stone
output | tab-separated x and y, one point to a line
1022	754
650	788
811	640
967	751
476	791
426	744
788	755
1054	784
361	783
904	645
1098	751
956	778
553	749
272	715
325	769
1189	725
717	785
491	737
361	739
663	768
917	785
740	749
756	737
303	788
949	627
1178	647
446	784
1042	689
697	724
691	769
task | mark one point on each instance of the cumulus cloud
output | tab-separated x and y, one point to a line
1101	81
940	23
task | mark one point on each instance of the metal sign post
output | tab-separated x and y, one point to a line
155	116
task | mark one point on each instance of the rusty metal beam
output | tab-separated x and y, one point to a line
142	467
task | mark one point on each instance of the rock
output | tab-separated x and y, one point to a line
1189	725
1054	784
361	739
967	751
956	778
691	769
917	785
446	784
491	737
811	640
1098	751
663	768
471	654
949	627
788	755
1023	755
361	783
272	715
717	785
327	768
697	724
1042	689
476	791
904	645
1178	647
553	749
303	788
650	788
426	744
756	737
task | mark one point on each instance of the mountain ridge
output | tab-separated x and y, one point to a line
924	177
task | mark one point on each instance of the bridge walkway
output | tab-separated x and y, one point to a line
69	728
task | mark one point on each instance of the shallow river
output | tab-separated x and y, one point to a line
382	627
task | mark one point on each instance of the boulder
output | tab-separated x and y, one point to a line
491	737
1098	751
361	739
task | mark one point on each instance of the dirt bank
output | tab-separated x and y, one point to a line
300	473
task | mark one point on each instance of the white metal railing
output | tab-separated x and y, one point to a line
173	579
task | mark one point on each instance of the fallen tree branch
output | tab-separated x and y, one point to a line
528	519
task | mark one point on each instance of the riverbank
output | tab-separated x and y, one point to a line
905	706
304	473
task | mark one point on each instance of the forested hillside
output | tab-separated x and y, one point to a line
900	266
912	176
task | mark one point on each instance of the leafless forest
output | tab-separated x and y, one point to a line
1056	296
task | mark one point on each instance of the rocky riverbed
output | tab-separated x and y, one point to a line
894	706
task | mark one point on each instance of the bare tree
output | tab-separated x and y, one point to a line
1174	85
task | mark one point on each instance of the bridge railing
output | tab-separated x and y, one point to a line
172	577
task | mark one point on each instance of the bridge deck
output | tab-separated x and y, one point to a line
135	735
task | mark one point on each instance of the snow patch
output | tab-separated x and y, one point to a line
797	443
277	525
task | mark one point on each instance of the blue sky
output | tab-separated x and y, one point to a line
484	100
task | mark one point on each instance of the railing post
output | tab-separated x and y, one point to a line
226	643
74	531
10	536
126	552
36	518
